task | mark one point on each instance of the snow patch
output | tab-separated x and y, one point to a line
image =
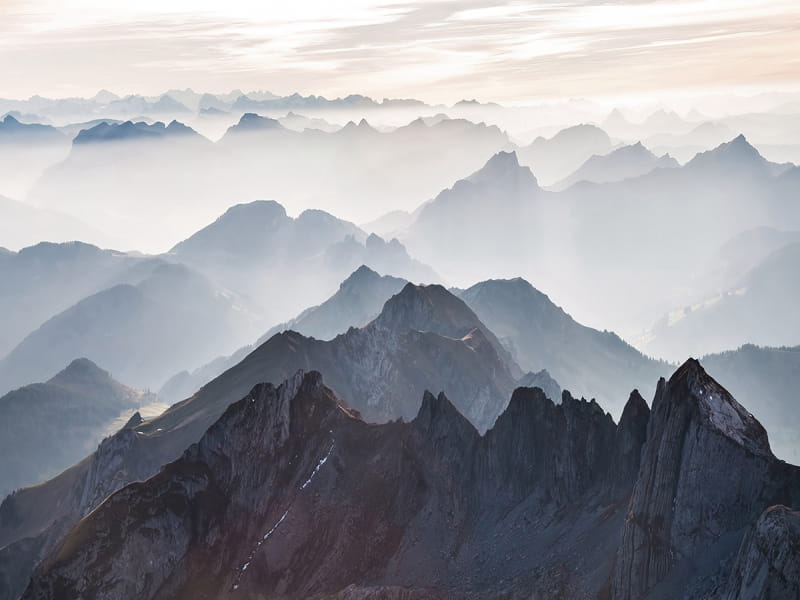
322	461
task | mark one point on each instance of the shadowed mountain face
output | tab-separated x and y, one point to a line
540	335
358	301
706	474
145	332
46	427
290	494
567	243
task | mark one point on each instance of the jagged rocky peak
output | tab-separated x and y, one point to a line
503	167
361	275
737	153
253	122
631	436
718	408
706	469
444	426
135	420
427	308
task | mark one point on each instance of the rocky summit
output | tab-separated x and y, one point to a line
290	494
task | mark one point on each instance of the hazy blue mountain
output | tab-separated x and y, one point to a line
358	300
483	216
356	172
540	335
172	319
758	309
623	163
129	131
555	158
46	279
47	427
26	150
506	226
257	249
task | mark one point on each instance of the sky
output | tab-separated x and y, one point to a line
434	50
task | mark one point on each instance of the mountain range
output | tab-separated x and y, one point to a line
144	331
570	500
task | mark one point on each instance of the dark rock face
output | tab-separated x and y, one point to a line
706	472
291	495
768	564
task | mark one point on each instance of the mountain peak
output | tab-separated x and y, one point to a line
252	122
735	154
80	371
427	308
717	407
501	167
359	276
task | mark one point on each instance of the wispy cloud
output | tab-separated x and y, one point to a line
438	49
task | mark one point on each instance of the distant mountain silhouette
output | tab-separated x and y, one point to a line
46	279
171	319
622	163
252	246
128	131
540	335
554	159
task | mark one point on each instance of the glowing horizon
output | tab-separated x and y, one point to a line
439	51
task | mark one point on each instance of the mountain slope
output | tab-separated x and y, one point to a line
490	208
290	494
145	332
623	163
252	246
359	300
554	159
758	309
46	427
346	503
766	380
46	279
540	335
706	474
383	371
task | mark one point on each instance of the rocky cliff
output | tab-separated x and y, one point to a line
706	474
290	494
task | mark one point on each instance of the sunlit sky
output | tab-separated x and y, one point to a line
436	50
